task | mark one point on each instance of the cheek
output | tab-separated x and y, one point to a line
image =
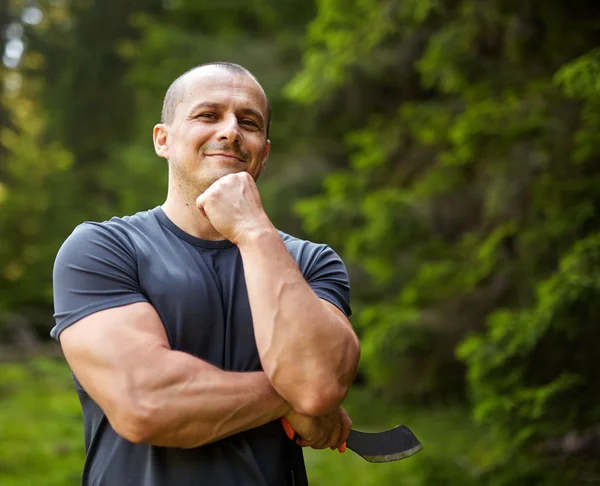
195	137
258	148
257	164
192	143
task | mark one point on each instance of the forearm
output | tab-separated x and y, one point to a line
308	351
186	402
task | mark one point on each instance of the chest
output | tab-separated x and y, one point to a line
201	297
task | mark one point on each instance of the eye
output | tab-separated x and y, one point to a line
247	121
209	116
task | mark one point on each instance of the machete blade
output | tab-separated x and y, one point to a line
391	445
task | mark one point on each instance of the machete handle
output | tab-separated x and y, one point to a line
291	434
288	429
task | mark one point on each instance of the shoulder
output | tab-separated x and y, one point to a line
323	269
115	236
301	249
96	268
123	226
310	255
117	229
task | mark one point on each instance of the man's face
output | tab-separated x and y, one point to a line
219	128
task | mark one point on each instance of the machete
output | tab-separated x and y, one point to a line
390	445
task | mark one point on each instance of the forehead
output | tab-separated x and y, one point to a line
217	85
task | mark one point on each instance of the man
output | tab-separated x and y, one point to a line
192	328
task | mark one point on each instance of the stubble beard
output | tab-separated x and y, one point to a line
187	186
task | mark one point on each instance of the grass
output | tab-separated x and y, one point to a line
454	448
42	437
40	425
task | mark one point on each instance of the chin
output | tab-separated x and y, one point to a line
221	172
207	179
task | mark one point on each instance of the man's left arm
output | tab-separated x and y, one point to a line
307	346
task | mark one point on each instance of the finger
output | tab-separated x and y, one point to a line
318	442
322	439
334	437
342	448
338	434
346	425
303	442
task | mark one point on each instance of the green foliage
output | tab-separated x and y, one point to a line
459	190
33	169
41	425
581	78
337	38
448	150
515	392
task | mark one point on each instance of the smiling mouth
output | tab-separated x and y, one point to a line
226	156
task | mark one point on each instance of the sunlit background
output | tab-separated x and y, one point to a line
447	149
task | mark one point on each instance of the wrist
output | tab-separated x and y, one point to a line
270	398
257	235
286	409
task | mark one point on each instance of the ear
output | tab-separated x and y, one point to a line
160	136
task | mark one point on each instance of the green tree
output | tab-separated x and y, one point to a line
30	215
34	196
466	175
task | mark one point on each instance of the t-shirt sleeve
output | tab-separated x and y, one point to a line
95	269
327	276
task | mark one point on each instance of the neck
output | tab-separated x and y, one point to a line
182	211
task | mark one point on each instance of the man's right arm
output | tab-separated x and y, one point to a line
153	394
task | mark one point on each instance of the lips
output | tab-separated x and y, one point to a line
230	156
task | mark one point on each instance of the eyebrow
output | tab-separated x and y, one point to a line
218	106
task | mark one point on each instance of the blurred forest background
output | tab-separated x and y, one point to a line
448	149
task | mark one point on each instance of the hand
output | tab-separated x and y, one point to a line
329	430
233	206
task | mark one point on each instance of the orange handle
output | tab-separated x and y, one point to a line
287	427
289	431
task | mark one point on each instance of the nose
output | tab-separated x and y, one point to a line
229	131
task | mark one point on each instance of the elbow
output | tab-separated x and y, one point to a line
136	432
325	396
134	424
321	401
131	434
311	396
317	387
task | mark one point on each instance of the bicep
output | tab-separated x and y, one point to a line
110	351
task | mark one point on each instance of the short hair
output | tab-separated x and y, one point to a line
174	94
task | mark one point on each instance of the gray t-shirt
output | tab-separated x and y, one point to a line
199	291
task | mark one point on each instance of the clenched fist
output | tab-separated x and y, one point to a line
233	206
329	430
